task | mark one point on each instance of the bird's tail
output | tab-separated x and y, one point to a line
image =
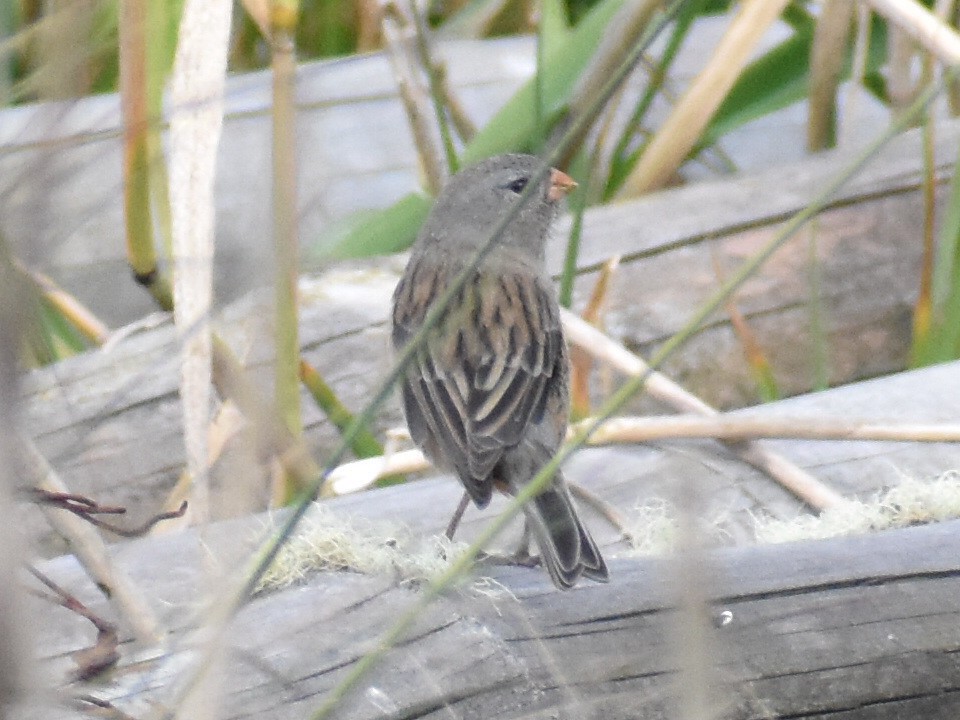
567	550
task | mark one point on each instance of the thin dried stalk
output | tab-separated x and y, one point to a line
678	135
693	643
285	240
855	91
134	105
901	87
629	24
736	428
462	122
259	12
15	650
272	437
398	37
796	480
626	26
581	362
361	474
368	25
197	97
433	73
931	33
946	10
65	67
827	58
953	92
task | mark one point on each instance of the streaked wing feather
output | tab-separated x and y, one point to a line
510	388
474	394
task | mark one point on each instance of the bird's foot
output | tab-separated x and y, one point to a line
521	558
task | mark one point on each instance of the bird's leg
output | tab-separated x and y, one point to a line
521	557
457	515
522	554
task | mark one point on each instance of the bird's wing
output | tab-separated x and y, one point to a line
469	395
521	350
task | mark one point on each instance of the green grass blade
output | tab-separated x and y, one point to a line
623	159
578	204
363	444
942	340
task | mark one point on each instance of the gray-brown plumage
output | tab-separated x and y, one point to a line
488	393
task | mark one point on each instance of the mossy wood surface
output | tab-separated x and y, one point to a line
864	627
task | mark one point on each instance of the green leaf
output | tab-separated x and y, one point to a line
553	25
472	20
375	232
61	337
780	78
772	82
364	444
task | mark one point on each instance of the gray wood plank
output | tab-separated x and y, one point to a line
859	627
852	626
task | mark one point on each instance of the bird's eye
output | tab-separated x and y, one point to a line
518	185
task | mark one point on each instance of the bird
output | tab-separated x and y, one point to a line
486	395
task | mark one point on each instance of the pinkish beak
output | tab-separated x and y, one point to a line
560	185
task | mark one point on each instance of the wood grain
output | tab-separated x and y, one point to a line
860	627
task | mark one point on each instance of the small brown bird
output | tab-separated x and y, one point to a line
487	396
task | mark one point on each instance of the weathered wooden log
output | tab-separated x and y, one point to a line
858	628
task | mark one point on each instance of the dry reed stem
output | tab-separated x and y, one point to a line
196	92
902	88
801	483
827	58
736	428
286	333
398	38
360	474
624	29
462	122
855	94
678	135
923	26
